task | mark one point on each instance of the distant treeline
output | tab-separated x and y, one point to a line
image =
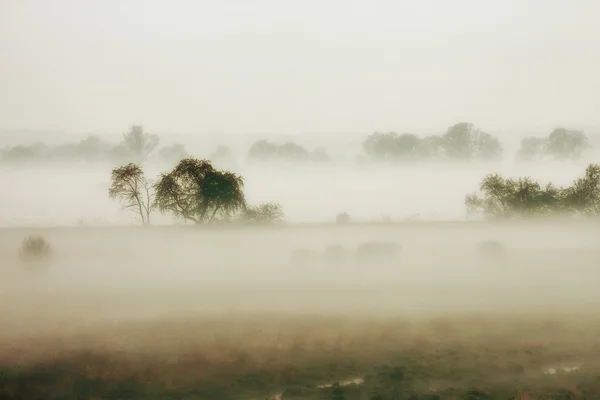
462	141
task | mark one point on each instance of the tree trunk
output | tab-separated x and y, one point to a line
213	214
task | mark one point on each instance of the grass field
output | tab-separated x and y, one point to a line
189	314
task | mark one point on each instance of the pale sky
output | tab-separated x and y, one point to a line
280	66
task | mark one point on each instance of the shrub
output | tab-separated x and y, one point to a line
342	218
35	248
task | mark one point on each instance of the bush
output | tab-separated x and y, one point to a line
342	218
35	248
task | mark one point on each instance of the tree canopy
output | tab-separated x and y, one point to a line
560	144
524	197
462	141
194	190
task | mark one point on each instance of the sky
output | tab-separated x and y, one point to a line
298	67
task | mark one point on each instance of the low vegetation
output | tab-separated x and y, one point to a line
35	249
505	198
308	358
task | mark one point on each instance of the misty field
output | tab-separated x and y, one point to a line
222	313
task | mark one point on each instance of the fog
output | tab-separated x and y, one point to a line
547	265
77	193
313	67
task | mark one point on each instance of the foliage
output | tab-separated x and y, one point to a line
264	213
461	141
391	146
560	144
35	248
524	197
532	149
264	150
129	184
139	144
507	198
465	141
194	190
584	195
563	143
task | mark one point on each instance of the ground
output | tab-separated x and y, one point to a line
200	314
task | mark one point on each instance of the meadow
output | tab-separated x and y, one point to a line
220	313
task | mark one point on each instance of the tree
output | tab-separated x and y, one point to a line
264	213
465	141
508	198
129	185
194	190
532	149
262	150
566	144
391	146
223	156
138	143
584	195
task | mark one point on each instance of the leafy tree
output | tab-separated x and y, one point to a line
391	146
262	150
26	152
292	151
507	198
430	147
566	144
264	213
138	143
584	195
532	148
465	141
129	184
194	190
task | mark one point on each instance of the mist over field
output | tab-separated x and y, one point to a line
315	200
314	193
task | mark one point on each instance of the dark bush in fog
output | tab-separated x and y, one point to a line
35	249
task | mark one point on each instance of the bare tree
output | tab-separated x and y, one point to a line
129	184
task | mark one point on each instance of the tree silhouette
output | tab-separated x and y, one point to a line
129	184
196	191
465	141
138	143
566	144
584	195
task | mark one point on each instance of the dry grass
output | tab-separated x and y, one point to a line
243	355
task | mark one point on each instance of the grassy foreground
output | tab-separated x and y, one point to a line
263	356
